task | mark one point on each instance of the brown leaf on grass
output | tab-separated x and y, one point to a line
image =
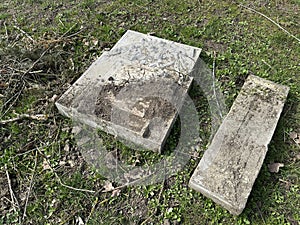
67	148
293	135
108	186
274	167
71	163
79	220
54	98
115	193
95	41
46	166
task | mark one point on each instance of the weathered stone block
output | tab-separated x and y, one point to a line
230	165
129	91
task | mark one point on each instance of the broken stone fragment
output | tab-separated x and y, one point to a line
133	90
230	165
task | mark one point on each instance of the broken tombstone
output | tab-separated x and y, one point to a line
135	90
230	165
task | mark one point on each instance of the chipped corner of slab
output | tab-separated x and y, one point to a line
230	165
232	208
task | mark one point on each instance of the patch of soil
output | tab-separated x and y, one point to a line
212	45
157	107
104	100
138	205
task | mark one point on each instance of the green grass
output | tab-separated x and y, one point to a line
65	33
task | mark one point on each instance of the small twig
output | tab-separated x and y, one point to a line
125	185
60	39
42	55
155	211
161	191
16	98
284	181
33	65
260	213
120	187
63	37
23	71
71	28
267	64
61	22
23	32
76	33
25	116
296	143
68	218
73	188
92	210
30	185
6	33
10	189
268	18
12	195
24	153
7	200
59	179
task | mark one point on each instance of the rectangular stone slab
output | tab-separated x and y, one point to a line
105	96
230	165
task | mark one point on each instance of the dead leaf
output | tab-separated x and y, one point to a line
86	42
108	186
298	157
166	222
115	193
95	42
66	148
293	135
62	163
79	220
46	165
3	85
274	167
54	98
71	163
287	184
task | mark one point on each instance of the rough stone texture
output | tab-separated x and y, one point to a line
230	165
130	91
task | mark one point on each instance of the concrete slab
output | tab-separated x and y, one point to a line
230	165
133	90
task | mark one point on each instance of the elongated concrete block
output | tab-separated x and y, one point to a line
230	165
133	90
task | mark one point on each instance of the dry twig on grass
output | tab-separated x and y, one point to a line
25	116
268	18
30	186
14	99
155	211
59	179
24	33
14	200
